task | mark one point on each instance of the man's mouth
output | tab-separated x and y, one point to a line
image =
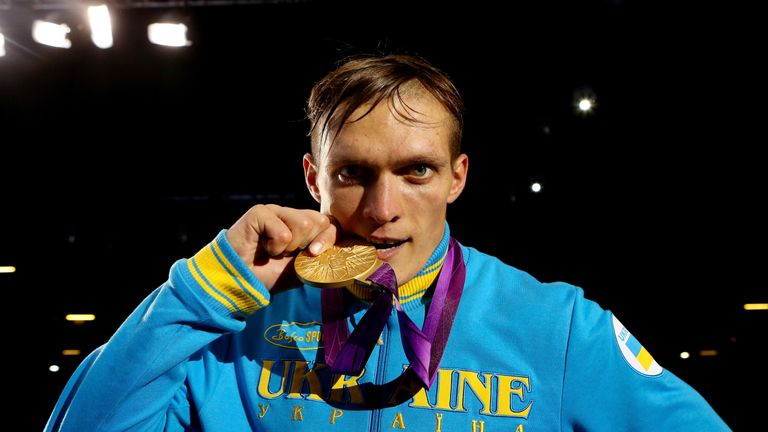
385	244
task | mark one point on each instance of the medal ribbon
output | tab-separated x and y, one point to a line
347	354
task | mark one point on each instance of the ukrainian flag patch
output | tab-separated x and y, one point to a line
634	353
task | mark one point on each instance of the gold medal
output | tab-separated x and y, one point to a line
339	266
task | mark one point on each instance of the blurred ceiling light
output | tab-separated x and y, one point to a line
756	306
585	105
51	34
536	187
584	101
70	352
80	317
101	26
684	355
2	45
708	353
168	34
7	269
53	368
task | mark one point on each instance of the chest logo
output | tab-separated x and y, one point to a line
295	335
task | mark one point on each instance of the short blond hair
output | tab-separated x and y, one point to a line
370	80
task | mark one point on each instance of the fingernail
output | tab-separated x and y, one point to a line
315	247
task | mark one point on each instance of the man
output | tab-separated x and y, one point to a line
234	342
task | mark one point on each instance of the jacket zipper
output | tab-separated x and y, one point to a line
381	369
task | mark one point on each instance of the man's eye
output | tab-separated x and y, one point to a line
350	171
420	170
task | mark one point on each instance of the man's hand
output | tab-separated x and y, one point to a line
267	238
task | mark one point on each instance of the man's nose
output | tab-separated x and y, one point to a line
382	200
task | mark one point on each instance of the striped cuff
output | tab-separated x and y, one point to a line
227	281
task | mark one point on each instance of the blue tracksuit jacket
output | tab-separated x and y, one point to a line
212	350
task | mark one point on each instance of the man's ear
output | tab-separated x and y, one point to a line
460	168
310	176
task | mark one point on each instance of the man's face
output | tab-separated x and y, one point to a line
389	180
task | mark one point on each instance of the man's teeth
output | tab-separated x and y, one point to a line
387	244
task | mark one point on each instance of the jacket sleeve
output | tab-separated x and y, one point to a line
612	383
135	382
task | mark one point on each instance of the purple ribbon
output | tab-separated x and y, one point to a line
347	354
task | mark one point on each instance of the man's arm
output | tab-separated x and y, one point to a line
136	380
611	382
132	381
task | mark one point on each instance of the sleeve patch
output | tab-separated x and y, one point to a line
634	353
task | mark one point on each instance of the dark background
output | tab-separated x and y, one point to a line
114	163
